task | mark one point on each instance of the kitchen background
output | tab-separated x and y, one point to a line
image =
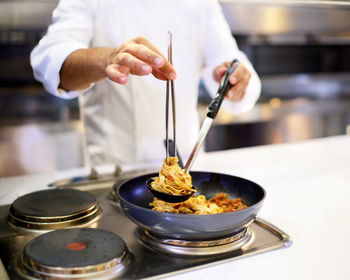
300	49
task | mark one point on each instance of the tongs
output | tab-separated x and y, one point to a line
169	88
213	110
170	84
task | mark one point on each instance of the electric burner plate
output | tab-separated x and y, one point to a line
195	248
76	252
53	209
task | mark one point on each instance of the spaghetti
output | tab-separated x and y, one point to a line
198	205
172	179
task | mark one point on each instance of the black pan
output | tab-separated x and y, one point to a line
134	199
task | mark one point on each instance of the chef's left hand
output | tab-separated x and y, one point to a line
239	80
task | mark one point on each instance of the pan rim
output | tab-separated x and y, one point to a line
255	205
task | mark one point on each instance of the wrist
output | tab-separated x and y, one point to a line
104	59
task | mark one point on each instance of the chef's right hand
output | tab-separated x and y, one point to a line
138	57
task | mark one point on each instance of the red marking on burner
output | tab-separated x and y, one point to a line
76	246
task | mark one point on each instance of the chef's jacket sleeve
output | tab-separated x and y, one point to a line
71	29
219	47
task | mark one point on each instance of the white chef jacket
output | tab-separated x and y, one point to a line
125	124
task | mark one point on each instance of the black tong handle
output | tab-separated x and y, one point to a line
215	104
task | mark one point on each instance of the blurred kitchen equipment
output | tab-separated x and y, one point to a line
301	51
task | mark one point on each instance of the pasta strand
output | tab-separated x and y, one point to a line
172	179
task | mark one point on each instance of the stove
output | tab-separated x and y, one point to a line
53	209
77	230
82	252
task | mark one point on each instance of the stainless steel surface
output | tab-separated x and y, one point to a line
174	115
269	16
103	181
26	13
145	262
170	85
194	243
320	85
287	17
167	121
202	134
197	248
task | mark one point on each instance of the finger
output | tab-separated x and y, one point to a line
219	71
237	75
158	74
136	66
143	41
166	69
124	69
237	91
117	73
145	54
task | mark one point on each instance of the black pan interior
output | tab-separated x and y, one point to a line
206	183
134	199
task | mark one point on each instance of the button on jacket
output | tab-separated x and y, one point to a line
125	124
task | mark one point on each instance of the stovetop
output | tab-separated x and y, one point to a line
146	260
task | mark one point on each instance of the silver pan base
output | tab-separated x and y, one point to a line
195	248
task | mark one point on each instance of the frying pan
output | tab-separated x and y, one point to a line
134	199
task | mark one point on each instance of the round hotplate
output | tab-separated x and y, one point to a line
53	209
75	252
222	245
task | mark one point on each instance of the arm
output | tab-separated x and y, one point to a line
136	56
71	30
83	67
65	64
220	49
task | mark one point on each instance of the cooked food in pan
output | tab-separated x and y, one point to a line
199	205
135	201
172	179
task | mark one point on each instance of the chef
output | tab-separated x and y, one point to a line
111	55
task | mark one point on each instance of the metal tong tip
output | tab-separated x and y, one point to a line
170	87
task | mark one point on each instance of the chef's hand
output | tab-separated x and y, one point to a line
137	56
239	80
